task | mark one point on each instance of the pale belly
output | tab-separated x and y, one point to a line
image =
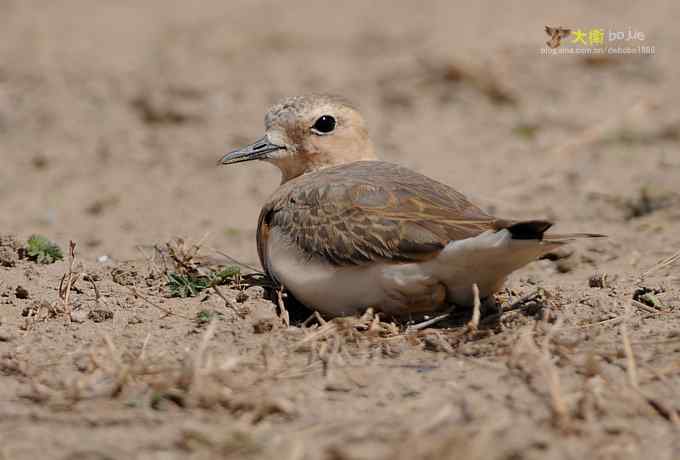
400	288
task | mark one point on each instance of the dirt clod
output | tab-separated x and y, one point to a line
99	315
125	275
21	292
265	325
598	280
8	251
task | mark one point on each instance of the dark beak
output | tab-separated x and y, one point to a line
255	151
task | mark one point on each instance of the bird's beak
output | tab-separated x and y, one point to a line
255	151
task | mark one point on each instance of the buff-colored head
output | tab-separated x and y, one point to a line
308	133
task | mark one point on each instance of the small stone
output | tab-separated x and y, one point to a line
264	325
598	280
8	257
125	274
534	280
566	265
9	241
135	320
435	342
255	292
83	363
241	297
98	315
78	316
21	293
563	252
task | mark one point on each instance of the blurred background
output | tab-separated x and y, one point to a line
113	114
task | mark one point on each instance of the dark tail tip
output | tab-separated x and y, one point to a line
529	229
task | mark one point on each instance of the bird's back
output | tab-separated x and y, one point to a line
370	210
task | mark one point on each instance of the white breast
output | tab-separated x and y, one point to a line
321	286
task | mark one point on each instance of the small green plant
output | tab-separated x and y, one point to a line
225	275
186	286
204	316
527	131
182	285
42	250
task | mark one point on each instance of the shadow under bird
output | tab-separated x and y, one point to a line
345	231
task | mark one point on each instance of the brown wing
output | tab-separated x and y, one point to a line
370	210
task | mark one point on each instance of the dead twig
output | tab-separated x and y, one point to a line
237	262
324	331
641	306
518	304
557	404
200	361
474	322
631	367
672	415
168	312
65	292
429	322
151	260
318	317
283	313
218	291
663	263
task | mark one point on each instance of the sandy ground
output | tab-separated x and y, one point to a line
112	117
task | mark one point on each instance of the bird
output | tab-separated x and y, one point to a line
345	231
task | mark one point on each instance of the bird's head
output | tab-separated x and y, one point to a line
308	133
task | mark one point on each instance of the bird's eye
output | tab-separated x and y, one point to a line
324	125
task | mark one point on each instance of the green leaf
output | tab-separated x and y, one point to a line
190	285
204	316
225	275
186	286
42	250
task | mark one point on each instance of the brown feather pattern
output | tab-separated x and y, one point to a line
365	211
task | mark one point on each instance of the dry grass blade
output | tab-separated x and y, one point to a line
283	313
237	262
632	372
645	308
70	277
322	332
671	415
122	370
518	304
200	360
474	322
631	367
428	323
319	318
663	263
557	404
616	320
136	293
227	302
365	330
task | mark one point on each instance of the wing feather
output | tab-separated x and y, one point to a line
366	211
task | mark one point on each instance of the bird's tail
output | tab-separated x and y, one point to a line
535	230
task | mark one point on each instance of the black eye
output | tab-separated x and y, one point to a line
325	124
